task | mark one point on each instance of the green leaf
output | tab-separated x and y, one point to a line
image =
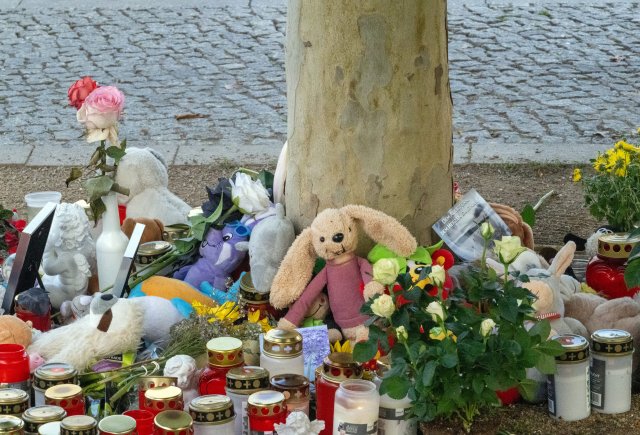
396	387
97	187
266	178
632	273
115	153
546	364
529	215
123	144
364	351
449	360
477	384
97	209
541	329
216	213
73	175
5	213
508	309
551	347
528	389
428	373
185	246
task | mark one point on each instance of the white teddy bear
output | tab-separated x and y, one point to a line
144	172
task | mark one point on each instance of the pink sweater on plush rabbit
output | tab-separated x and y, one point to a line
333	236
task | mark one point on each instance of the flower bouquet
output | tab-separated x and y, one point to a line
451	356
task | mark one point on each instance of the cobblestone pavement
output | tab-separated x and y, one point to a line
550	78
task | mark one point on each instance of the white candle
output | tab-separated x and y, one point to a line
356	408
568	389
611	367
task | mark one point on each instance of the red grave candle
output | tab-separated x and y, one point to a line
147	382
605	272
14	366
67	396
224	353
266	409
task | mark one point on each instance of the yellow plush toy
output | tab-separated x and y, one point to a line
181	294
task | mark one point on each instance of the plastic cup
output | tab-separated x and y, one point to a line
144	420
36	200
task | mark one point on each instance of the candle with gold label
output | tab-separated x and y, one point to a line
611	367
173	423
67	396
162	399
295	389
241	383
13	401
50	374
212	415
224	354
117	425
147	382
282	352
79	425
568	389
266	409
11	425
38	415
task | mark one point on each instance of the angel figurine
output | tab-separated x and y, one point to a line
69	256
298	424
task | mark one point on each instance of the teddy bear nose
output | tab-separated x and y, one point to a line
106	297
338	237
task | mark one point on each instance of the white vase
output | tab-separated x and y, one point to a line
111	243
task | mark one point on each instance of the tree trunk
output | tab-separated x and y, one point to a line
369	109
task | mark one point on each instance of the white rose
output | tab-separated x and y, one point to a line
486	230
402	334
248	195
437	275
436	310
508	249
385	271
487	326
383	306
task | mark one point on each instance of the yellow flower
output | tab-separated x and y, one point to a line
228	311
437	333
254	317
345	347
577	175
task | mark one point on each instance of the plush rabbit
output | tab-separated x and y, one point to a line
333	236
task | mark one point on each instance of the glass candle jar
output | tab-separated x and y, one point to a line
356	407
212	415
11	425
160	399
14	366
295	389
224	354
79	425
147	382
241	383
266	409
13	401
50	374
67	396
611	367
605	272
568	389
336	368
393	415
38	415
282	352
173	423
117	425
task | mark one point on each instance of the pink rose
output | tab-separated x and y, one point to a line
100	113
80	90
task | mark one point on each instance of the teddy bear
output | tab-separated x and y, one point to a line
596	312
269	242
153	229
514	221
14	331
333	236
144	172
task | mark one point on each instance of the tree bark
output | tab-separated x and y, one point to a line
369	109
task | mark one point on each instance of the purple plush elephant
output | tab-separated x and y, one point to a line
218	257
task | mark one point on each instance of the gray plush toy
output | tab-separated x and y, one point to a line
269	242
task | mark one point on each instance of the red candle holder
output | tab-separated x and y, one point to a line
14	366
144	420
39	322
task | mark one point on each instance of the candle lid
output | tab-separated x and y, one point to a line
576	348
339	366
163	393
117	424
294	387
13	401
78	423
266	403
612	342
10	424
50	374
62	391
248	378
211	409
617	245
174	232
50	428
44	414
173	421
225	351
146	382
249	293
282	343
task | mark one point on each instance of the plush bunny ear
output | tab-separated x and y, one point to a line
563	259
383	229
294	272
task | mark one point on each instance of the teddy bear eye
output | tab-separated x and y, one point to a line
321	239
